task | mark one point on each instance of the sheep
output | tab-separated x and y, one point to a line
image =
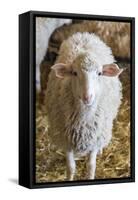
44	28
82	99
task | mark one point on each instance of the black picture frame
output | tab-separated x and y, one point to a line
27	93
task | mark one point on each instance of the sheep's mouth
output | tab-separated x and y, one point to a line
86	104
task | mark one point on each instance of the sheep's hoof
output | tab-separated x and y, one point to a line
90	177
70	177
101	151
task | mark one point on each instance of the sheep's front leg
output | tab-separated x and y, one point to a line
71	166
92	164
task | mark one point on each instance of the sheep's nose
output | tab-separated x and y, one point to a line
87	98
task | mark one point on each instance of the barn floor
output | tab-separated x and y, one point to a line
113	163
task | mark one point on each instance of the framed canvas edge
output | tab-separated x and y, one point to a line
31	142
24	96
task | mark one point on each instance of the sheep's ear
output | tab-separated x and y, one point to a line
111	70
61	70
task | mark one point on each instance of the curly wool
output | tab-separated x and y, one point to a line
82	43
71	123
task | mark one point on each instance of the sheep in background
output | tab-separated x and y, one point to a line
44	29
82	99
114	34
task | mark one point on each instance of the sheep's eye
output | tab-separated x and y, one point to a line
99	73
74	73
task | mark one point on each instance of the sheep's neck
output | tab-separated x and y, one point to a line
81	112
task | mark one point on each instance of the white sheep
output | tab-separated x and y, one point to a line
82	99
44	28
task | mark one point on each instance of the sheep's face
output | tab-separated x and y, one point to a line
85	77
85	85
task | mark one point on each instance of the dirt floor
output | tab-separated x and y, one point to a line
113	163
